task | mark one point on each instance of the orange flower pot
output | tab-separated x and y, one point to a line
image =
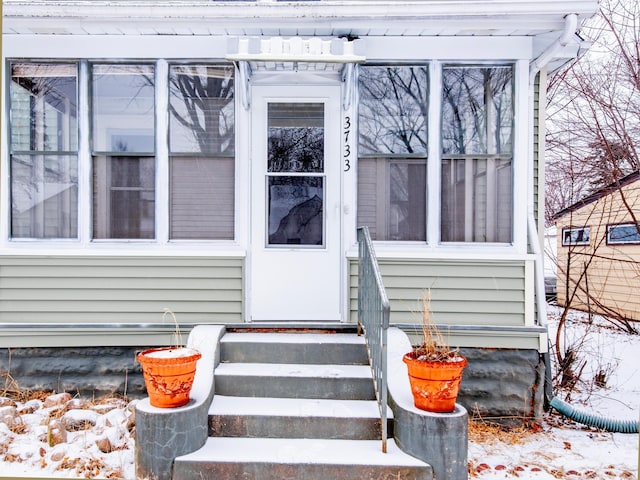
435	384
168	374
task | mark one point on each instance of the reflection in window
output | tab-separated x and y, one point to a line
624	233
295	150
392	116
123	119
295	210
392	123
43	145
201	140
296	137
576	236
477	110
123	108
201	109
477	142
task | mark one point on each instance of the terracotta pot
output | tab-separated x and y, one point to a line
434	384
168	374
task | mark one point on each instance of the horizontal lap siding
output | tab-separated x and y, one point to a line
612	277
120	289
462	292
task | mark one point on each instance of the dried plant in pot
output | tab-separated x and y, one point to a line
435	370
169	371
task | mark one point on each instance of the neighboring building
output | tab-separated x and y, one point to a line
599	251
216	158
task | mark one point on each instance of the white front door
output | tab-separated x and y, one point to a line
295	254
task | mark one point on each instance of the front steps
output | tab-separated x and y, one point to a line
296	406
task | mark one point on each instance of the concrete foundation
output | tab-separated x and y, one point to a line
500	385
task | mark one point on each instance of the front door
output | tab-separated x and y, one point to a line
295	253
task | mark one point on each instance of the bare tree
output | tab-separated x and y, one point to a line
593	136
593	141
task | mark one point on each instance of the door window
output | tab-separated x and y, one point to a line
295	174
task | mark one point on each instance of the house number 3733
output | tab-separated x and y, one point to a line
347	148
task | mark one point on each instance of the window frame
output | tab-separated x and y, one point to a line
96	154
175	156
389	159
85	155
623	224
498	155
71	154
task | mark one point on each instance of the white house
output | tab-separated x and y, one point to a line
217	157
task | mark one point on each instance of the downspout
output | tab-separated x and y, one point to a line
570	25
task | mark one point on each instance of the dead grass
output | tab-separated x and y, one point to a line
483	432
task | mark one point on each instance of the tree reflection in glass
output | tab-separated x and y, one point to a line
295	150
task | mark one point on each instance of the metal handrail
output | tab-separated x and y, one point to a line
373	316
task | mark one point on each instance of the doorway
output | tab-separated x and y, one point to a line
295	265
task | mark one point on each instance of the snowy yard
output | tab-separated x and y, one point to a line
93	439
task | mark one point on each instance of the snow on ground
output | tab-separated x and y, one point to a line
64	437
561	448
96	439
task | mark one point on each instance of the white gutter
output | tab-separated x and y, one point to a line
570	25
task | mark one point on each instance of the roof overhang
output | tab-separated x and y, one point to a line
331	18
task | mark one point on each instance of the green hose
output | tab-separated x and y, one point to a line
608	424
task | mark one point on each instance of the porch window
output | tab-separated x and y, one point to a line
201	143
123	144
477	154
392	163
43	150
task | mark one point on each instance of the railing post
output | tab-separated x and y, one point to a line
373	317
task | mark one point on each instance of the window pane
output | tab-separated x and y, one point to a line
392	121
201	109
392	116
624	233
44	107
202	198
44	196
296	210
477	110
576	236
476	200
392	198
123	108
123	197
296	137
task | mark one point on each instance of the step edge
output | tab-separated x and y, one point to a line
228	405
294	370
301	451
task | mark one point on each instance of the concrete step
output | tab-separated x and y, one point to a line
300	459
346	382
296	418
309	348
